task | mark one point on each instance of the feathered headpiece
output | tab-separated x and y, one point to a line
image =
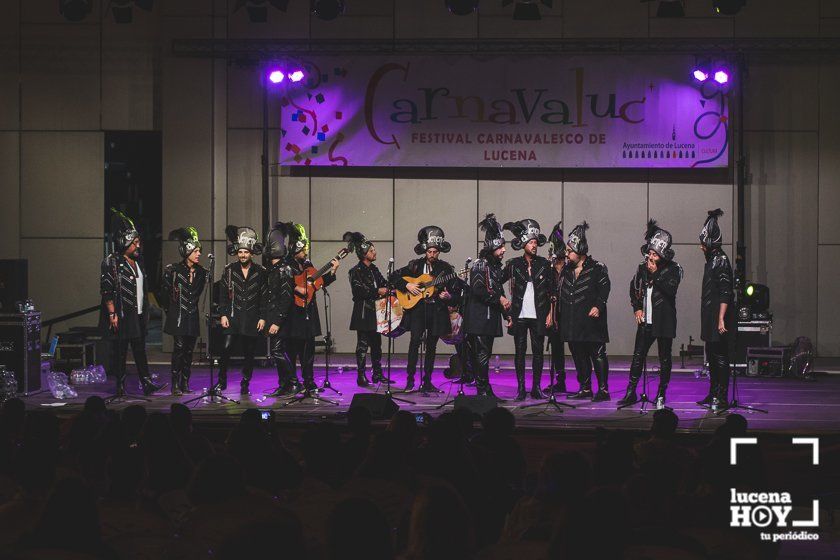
710	235
123	230
357	243
297	238
577	239
242	238
557	246
493	238
275	241
187	238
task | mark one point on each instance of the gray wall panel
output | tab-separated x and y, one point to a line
341	204
10	195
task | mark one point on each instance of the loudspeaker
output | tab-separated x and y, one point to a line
14	279
477	404
380	406
20	348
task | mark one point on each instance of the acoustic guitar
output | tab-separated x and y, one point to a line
427	284
312	280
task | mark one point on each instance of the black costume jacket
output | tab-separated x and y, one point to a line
433	308
542	275
280	293
180	298
244	300
578	296
665	282
482	312
365	282
303	322
718	287
118	283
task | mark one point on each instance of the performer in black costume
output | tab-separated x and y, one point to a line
557	253
280	301
123	315
367	285
430	317
183	284
486	303
303	324
653	294
531	289
583	315
243	303
717	314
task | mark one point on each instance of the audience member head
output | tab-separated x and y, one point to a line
180	418
440	527
95	404
358	421
664	424
282	536
499	422
216	479
356	529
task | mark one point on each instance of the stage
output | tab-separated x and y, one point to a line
793	405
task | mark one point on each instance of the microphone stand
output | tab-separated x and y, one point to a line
209	393
328	343
388	393
465	350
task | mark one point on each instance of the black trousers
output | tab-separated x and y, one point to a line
119	352
248	345
464	351
302	351
558	355
414	354
182	356
590	356
644	340
521	328
717	353
368	340
481	347
280	357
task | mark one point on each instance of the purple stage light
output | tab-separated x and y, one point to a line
700	75
721	77
296	76
276	76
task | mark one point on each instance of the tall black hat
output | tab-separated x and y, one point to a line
242	238
123	230
710	235
431	237
577	239
357	242
276	241
658	240
557	246
524	231
187	238
493	238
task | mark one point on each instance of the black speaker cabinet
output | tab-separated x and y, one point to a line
14	278
476	404
20	348
380	406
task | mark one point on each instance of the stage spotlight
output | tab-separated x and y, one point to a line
721	76
728	7
756	297
670	9
700	75
276	76
296	76
257	9
74	10
327	9
461	7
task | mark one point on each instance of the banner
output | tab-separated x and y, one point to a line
524	111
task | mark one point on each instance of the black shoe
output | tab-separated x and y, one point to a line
150	388
221	385
559	388
630	397
176	391
185	387
282	391
377	377
310	386
427	387
536	393
467	380
362	381
601	395
409	384
707	400
581	394
243	389
719	404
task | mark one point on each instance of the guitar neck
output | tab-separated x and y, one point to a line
323	270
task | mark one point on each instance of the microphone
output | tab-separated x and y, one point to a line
211	256
391	260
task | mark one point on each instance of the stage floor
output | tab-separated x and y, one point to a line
801	407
